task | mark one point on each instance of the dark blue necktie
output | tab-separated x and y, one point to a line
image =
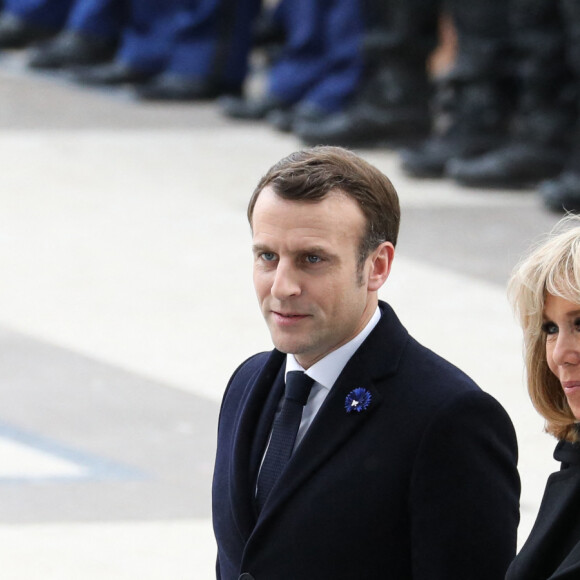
284	431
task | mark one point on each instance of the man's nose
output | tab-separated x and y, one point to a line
286	281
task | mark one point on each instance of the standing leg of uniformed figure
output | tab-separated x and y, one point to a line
564	191
90	36
323	64
209	46
23	22
540	132
144	45
318	67
472	101
392	100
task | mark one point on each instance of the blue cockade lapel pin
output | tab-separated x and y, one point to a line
357	400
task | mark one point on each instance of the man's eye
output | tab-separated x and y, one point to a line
268	256
313	259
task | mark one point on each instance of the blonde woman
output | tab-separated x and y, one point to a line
545	293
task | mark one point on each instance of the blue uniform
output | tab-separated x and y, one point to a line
200	39
322	60
146	38
49	14
103	18
212	39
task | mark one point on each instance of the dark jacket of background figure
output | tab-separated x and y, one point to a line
552	551
421	485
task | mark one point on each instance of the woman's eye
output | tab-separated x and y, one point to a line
549	328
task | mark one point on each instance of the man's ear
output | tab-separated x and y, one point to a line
380	265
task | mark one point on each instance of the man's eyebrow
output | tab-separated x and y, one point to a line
259	248
315	250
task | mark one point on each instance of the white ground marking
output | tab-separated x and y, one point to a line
21	461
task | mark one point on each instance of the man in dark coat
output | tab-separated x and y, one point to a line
401	467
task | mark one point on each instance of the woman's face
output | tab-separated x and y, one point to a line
562	329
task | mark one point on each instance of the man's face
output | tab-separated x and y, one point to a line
305	273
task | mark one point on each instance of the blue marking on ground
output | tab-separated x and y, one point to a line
95	468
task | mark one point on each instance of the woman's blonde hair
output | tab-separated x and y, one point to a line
553	267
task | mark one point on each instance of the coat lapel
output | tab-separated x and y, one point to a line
377	358
251	433
560	501
552	532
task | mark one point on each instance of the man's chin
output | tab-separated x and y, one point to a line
286	345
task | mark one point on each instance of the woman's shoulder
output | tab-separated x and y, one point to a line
568	454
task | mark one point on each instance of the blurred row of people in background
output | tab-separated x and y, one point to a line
171	49
354	73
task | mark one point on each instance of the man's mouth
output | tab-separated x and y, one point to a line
288	316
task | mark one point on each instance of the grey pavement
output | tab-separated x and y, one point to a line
126	302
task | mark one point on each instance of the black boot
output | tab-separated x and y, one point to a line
112	74
391	105
72	48
392	109
539	145
472	102
17	33
471	122
517	165
251	108
175	87
541	131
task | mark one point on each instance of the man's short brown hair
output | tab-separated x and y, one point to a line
311	174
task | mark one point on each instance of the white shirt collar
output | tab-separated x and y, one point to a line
326	370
